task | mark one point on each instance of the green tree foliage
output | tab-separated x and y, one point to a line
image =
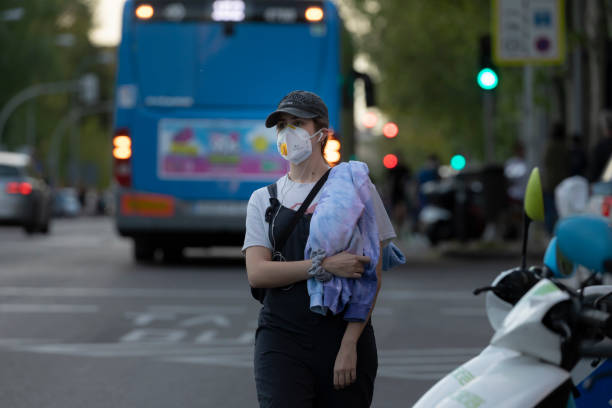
426	53
47	41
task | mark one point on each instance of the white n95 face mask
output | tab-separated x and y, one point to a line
294	143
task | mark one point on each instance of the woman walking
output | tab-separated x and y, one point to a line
313	349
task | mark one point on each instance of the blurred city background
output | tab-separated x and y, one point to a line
131	137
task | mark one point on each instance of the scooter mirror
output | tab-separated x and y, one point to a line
534	201
556	262
585	240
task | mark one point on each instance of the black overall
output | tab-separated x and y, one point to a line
295	349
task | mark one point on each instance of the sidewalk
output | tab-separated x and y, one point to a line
417	247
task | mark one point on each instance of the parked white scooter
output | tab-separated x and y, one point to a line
542	347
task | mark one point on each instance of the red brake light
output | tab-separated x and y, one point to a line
25	188
12	188
606	206
18	188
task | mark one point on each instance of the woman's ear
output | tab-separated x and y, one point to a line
324	135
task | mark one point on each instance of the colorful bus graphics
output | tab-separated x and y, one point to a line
217	149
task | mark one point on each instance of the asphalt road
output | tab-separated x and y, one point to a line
81	325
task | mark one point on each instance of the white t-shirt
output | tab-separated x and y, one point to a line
291	195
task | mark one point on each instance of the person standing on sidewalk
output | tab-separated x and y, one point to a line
556	169
305	359
602	151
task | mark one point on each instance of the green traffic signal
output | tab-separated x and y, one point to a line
487	79
458	162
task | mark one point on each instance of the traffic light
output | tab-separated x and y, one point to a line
331	153
487	77
458	162
390	130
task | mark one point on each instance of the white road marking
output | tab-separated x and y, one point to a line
122	293
210	337
407	364
217	320
198	309
208	293
146	318
46	308
149	335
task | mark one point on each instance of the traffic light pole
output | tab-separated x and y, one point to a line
488	110
529	140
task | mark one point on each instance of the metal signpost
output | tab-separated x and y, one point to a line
527	33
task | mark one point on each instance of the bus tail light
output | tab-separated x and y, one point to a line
331	152
122	154
145	11
314	14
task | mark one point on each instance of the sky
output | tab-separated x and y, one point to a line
107	19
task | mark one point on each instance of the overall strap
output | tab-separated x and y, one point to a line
274	203
300	212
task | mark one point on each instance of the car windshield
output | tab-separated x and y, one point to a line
9	171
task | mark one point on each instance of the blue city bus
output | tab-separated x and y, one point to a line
195	81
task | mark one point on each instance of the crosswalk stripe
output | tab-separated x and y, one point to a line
404	364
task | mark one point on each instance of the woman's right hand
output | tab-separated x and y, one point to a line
346	265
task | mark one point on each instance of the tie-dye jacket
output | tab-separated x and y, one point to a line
344	220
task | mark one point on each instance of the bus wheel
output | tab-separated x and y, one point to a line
143	251
172	254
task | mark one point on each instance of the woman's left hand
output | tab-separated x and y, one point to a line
345	367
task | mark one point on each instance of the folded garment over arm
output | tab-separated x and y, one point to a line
345	220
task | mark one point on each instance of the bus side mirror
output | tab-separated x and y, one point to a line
369	87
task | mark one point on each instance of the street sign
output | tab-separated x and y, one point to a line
528	32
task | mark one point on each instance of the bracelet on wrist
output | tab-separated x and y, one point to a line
316	270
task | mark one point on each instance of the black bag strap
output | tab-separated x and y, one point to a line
282	239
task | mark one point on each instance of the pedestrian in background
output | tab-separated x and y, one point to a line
515	171
577	156
305	359
603	148
555	169
572	194
428	172
399	178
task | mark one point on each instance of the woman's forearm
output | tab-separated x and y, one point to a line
354	329
265	273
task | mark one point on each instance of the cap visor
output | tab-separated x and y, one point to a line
275	116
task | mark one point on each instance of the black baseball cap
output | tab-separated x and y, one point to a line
303	104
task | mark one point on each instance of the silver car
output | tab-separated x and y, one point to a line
25	198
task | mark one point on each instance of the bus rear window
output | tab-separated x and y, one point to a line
267	11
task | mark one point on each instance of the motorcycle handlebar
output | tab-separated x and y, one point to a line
596	351
595	318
